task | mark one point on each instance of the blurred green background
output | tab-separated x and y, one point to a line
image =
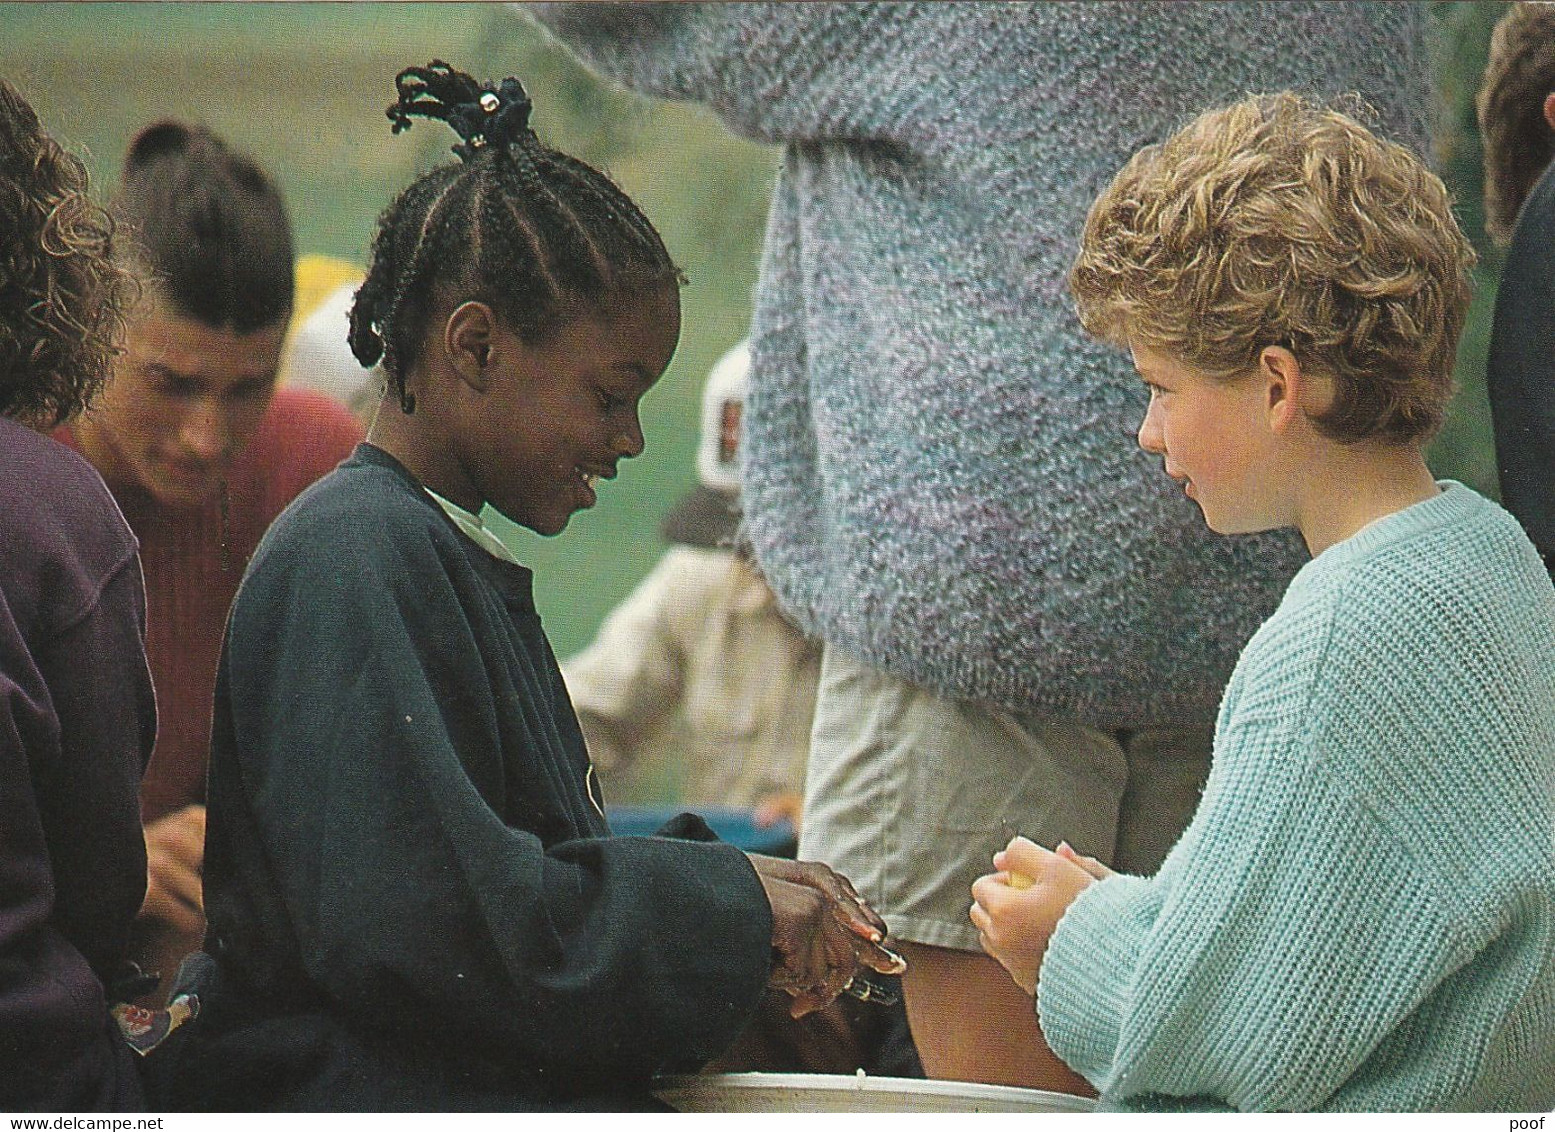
303	86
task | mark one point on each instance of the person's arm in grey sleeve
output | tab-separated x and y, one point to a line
773	72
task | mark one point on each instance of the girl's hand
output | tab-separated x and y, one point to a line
1091	865
1015	921
823	933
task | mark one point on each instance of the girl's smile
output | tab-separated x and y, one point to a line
572	402
531	428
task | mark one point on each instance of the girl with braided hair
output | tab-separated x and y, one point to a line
76	712
413	895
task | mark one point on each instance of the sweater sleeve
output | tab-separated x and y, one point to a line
776	73
1286	936
102	696
77	722
421	871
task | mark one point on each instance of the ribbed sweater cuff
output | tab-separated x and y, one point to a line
1082	988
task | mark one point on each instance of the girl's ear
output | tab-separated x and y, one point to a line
467	337
1285	386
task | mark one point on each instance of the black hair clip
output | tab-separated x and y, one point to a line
479	113
500	115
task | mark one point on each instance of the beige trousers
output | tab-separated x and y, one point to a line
909	795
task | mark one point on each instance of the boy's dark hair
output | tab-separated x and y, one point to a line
62	295
517	225
209	227
1519	74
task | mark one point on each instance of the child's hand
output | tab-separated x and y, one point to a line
823	933
175	857
1014	923
1091	865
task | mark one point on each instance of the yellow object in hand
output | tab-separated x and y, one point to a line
1019	880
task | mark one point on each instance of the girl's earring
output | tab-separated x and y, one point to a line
407	401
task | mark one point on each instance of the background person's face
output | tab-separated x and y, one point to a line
184	400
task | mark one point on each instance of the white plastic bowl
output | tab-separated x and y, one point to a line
819	1092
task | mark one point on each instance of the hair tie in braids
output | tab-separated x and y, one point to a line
480	113
532	232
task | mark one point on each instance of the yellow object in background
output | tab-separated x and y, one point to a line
317	355
318	277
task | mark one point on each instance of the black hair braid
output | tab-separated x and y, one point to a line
611	199
429	92
619	216
512	236
414	287
480	114
572	260
532	232
377	313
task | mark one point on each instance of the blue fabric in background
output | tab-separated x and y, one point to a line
732	824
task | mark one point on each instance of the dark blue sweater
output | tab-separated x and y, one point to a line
413	897
1521	369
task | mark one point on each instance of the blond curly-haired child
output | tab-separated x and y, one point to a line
1361	914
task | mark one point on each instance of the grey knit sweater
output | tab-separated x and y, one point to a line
941	475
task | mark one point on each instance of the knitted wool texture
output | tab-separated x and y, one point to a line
1362	914
941	474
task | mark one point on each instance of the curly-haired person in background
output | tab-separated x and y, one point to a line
1517	122
202	451
1360	915
76	712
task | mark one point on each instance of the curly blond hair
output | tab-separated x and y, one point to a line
63	296
1519	74
1281	221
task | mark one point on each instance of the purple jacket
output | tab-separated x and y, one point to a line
77	721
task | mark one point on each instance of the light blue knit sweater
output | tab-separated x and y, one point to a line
1362	914
941	475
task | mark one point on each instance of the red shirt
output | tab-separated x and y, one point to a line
190	580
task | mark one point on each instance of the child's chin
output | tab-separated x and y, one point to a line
544	525
1218	522
550	527
1223	525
